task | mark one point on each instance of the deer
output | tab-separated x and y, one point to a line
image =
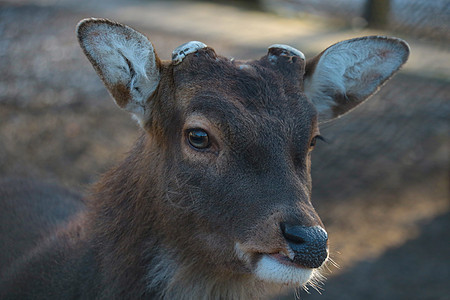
214	199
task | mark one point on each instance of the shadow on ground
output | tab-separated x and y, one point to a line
418	269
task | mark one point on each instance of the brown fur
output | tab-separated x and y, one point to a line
161	203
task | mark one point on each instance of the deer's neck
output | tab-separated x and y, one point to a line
121	216
127	222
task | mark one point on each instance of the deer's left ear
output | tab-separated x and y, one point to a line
347	73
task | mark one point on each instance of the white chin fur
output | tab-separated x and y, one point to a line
270	270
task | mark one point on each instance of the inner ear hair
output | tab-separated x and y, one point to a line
347	73
125	60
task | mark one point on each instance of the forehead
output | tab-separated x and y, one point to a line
228	90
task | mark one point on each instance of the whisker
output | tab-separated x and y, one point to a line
334	263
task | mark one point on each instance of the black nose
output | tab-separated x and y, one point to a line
309	244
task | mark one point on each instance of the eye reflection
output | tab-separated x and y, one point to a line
198	139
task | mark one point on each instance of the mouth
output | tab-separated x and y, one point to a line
285	260
279	268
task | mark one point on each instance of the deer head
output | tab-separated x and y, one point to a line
222	172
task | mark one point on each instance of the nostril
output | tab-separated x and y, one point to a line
293	234
302	234
308	244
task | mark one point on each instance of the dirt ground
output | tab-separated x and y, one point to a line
380	184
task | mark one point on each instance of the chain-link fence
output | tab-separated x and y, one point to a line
422	18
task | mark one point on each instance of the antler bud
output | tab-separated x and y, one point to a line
182	51
283	50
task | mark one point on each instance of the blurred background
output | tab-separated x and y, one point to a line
381	185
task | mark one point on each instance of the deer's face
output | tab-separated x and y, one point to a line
233	142
240	165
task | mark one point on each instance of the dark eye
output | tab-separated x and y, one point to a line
198	138
314	141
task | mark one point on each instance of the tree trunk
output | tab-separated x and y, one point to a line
377	13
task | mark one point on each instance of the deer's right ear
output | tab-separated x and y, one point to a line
125	61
